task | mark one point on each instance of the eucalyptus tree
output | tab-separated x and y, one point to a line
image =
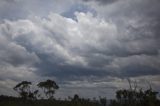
48	87
23	88
25	91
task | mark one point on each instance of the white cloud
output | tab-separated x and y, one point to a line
78	42
60	36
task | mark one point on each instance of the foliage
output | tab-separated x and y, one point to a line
24	90
136	97
9	101
48	87
103	101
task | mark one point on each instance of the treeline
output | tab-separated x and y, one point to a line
27	92
33	96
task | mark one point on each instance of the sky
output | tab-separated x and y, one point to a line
89	47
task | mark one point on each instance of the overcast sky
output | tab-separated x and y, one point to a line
89	47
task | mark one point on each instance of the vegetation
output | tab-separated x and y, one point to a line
25	92
124	97
48	87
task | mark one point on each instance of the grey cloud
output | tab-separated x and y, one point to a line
90	85
20	9
16	62
6	87
17	55
70	48
137	23
138	65
69	91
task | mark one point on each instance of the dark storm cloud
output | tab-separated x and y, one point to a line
91	55
71	72
135	71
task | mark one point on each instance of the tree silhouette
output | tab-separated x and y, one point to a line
49	87
25	92
23	89
76	98
135	97
103	101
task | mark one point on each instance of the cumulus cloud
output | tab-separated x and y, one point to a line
88	42
61	37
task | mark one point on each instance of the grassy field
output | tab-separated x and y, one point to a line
13	101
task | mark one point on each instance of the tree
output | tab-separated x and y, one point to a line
76	98
25	92
23	89
135	97
103	101
49	87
